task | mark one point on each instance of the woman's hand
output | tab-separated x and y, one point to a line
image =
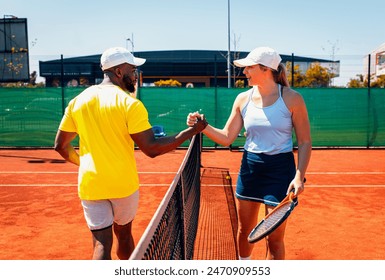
297	185
192	118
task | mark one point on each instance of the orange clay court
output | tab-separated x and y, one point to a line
340	215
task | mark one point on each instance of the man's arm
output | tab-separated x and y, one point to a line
64	148
153	147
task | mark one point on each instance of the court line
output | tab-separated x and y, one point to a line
75	172
210	185
318	186
38	185
38	172
172	172
344	186
341	173
71	185
348	173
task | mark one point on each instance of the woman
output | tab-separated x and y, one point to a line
269	111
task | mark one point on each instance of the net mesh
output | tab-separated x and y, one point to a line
217	230
172	231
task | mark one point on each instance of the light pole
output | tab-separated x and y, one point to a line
138	82
131	40
228	46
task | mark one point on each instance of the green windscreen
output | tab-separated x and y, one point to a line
30	117
346	117
339	117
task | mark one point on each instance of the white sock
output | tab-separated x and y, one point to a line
245	258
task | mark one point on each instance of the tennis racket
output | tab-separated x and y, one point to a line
274	219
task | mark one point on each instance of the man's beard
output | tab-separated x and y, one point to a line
130	86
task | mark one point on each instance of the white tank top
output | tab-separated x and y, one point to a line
269	129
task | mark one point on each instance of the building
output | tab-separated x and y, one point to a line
14	55
377	62
198	68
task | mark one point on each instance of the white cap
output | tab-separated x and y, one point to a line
116	56
263	55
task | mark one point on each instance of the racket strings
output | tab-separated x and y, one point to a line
271	221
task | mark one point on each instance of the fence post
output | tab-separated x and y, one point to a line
62	84
368	129
292	69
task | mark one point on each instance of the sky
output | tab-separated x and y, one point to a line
327	29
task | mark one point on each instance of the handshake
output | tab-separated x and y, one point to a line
196	121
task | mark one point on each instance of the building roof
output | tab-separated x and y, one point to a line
183	56
197	65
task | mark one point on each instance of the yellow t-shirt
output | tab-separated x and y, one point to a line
104	116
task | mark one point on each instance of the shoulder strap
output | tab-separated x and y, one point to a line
251	94
280	89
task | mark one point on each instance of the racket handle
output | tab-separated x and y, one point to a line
292	195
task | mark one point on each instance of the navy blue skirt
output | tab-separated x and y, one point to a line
265	178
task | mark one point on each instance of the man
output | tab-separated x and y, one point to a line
109	121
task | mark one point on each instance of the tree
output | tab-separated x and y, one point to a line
362	82
317	76
333	50
296	75
377	82
32	78
236	71
239	83
356	83
167	83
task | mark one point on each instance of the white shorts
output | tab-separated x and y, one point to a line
101	214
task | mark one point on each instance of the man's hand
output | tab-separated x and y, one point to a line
200	123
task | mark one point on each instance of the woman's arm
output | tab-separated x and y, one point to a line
229	133
301	124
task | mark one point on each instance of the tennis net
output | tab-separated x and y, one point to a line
171	232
